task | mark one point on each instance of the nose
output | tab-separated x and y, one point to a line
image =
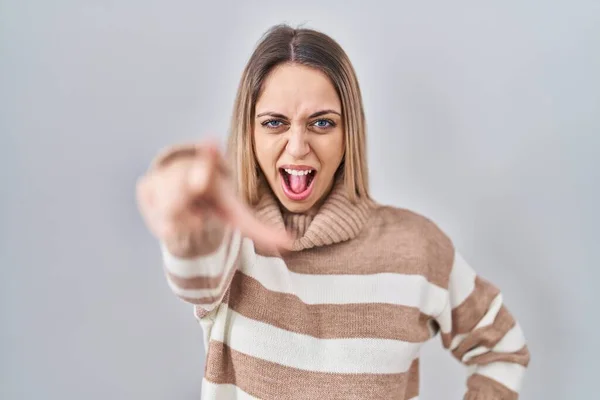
297	145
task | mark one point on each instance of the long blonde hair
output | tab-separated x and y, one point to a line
284	44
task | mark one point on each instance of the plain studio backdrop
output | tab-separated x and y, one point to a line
485	118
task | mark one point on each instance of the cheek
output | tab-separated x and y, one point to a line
333	150
266	149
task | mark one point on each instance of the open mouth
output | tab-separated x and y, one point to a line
297	183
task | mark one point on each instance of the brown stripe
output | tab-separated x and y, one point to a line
412	387
201	300
482	387
203	282
199	243
447	339
200	312
267	380
487	336
474	308
520	357
287	311
406	244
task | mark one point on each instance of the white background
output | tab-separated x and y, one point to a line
485	118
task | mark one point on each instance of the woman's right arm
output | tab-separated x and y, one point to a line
188	203
200	270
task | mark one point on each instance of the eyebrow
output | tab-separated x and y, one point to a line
314	115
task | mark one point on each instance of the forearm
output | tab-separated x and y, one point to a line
199	267
481	333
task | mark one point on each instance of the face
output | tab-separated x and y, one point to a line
298	135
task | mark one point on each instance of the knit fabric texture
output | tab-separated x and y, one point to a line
345	314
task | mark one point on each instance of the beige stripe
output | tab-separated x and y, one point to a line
326	321
520	357
487	336
326	227
482	387
199	243
413	248
200	312
297	224
473	309
208	300
447	339
267	380
412	386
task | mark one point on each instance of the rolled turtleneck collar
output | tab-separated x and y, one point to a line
337	220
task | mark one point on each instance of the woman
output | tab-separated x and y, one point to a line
304	286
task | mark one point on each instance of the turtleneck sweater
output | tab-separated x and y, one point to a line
345	313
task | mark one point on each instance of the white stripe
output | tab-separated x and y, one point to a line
223	392
487	320
513	341
492	313
269	343
460	286
210	265
477	351
389	288
462	280
458	339
444	318
196	293
508	374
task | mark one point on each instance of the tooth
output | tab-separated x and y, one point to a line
299	172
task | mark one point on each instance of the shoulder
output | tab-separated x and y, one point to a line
415	240
395	219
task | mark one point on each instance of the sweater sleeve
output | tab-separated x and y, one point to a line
199	268
482	334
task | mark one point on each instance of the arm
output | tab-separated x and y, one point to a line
482	334
189	203
199	268
200	257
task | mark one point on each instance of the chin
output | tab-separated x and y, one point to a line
295	207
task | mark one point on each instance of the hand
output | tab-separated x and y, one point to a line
185	186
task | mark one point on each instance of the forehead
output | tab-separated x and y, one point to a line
293	89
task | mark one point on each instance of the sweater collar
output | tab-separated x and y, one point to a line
338	219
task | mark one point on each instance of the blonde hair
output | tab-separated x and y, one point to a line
283	44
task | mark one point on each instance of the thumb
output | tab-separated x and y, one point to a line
238	214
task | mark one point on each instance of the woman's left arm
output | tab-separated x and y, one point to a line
480	332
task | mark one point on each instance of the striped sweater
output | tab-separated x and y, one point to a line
344	315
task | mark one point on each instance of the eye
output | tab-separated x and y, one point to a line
272	124
323	123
